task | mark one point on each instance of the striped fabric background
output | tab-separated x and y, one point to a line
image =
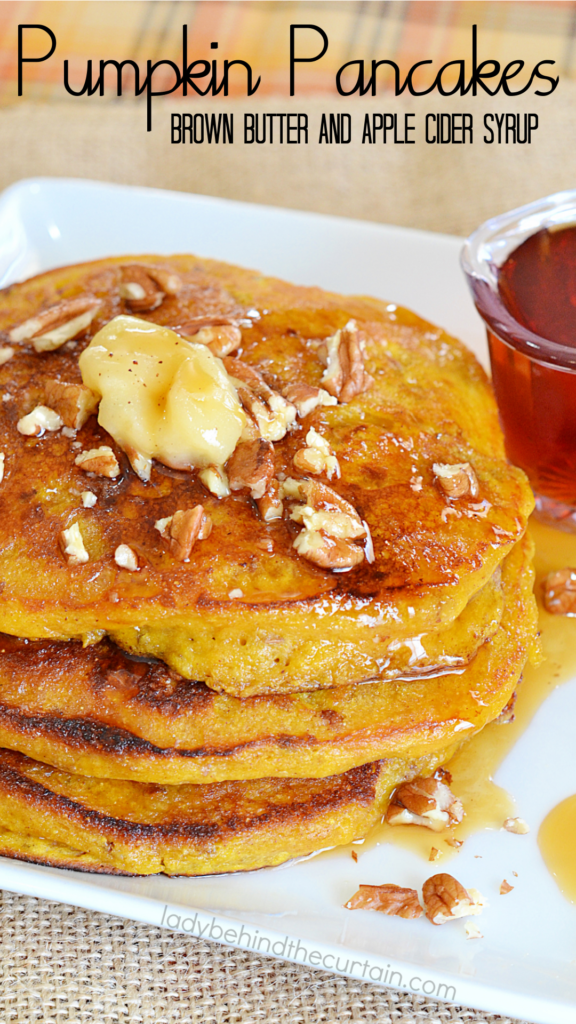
258	31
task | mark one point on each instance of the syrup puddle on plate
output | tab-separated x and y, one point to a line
557	841
486	804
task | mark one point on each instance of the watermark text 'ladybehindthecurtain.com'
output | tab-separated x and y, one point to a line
289	948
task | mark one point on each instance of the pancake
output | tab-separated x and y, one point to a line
249	615
52	817
94	712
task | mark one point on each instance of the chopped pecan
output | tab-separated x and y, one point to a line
516	825
169	282
72	545
2	464
388	899
434	854
141	464
472	930
6	353
144	288
270	504
74	403
126	558
345	376
89	499
215	480
445	899
310	460
318	495
273	414
51	328
560	592
251	465
222	335
183	529
40	419
327	552
317	457
306	398
335	524
330	523
101	461
426	802
456	480
505	887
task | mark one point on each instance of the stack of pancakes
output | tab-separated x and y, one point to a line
249	705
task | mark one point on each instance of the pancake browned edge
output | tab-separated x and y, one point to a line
53	817
94	712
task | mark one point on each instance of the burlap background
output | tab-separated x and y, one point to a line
439	188
66	965
61	965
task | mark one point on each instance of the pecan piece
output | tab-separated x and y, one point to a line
330	523
427	802
505	887
318	495
169	282
251	465
456	480
317	457
2	464
51	328
273	414
306	398
126	558
345	376
72	545
144	288
101	461
516	825
221	335
6	353
559	589
472	930
445	899
327	552
74	403
270	504
215	480
388	899
334	524
183	529
141	464
39	420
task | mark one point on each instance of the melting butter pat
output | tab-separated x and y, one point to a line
163	396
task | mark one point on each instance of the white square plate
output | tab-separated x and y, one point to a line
524	967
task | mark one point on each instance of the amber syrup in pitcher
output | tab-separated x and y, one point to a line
537	400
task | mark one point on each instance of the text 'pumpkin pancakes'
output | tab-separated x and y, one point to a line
296	507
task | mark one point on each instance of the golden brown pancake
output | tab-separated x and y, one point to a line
296	626
95	712
52	817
